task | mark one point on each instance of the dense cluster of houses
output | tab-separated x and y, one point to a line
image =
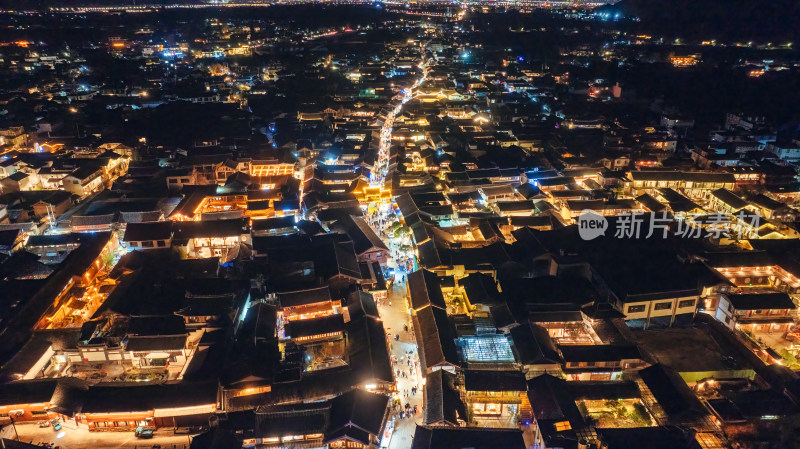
226	280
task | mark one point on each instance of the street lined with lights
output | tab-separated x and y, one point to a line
381	170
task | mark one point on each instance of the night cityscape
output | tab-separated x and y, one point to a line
473	224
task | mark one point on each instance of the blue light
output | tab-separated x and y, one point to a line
520	59
170	54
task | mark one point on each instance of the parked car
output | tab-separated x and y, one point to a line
56	424
143	432
43	423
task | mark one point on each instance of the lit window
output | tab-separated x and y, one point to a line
562	426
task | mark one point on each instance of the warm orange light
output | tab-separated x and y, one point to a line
684	61
23	44
118	44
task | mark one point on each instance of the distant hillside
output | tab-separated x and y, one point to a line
746	20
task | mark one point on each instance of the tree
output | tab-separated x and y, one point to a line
789	359
108	258
640	414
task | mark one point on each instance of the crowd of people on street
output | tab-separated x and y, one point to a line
407	399
409	363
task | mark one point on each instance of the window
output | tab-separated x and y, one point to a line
636	309
686	303
562	426
147	244
663	306
134	244
38	412
589	364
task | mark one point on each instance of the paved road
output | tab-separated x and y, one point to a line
74	438
395	313
395	317
394	310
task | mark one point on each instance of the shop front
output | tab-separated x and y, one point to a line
114	422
